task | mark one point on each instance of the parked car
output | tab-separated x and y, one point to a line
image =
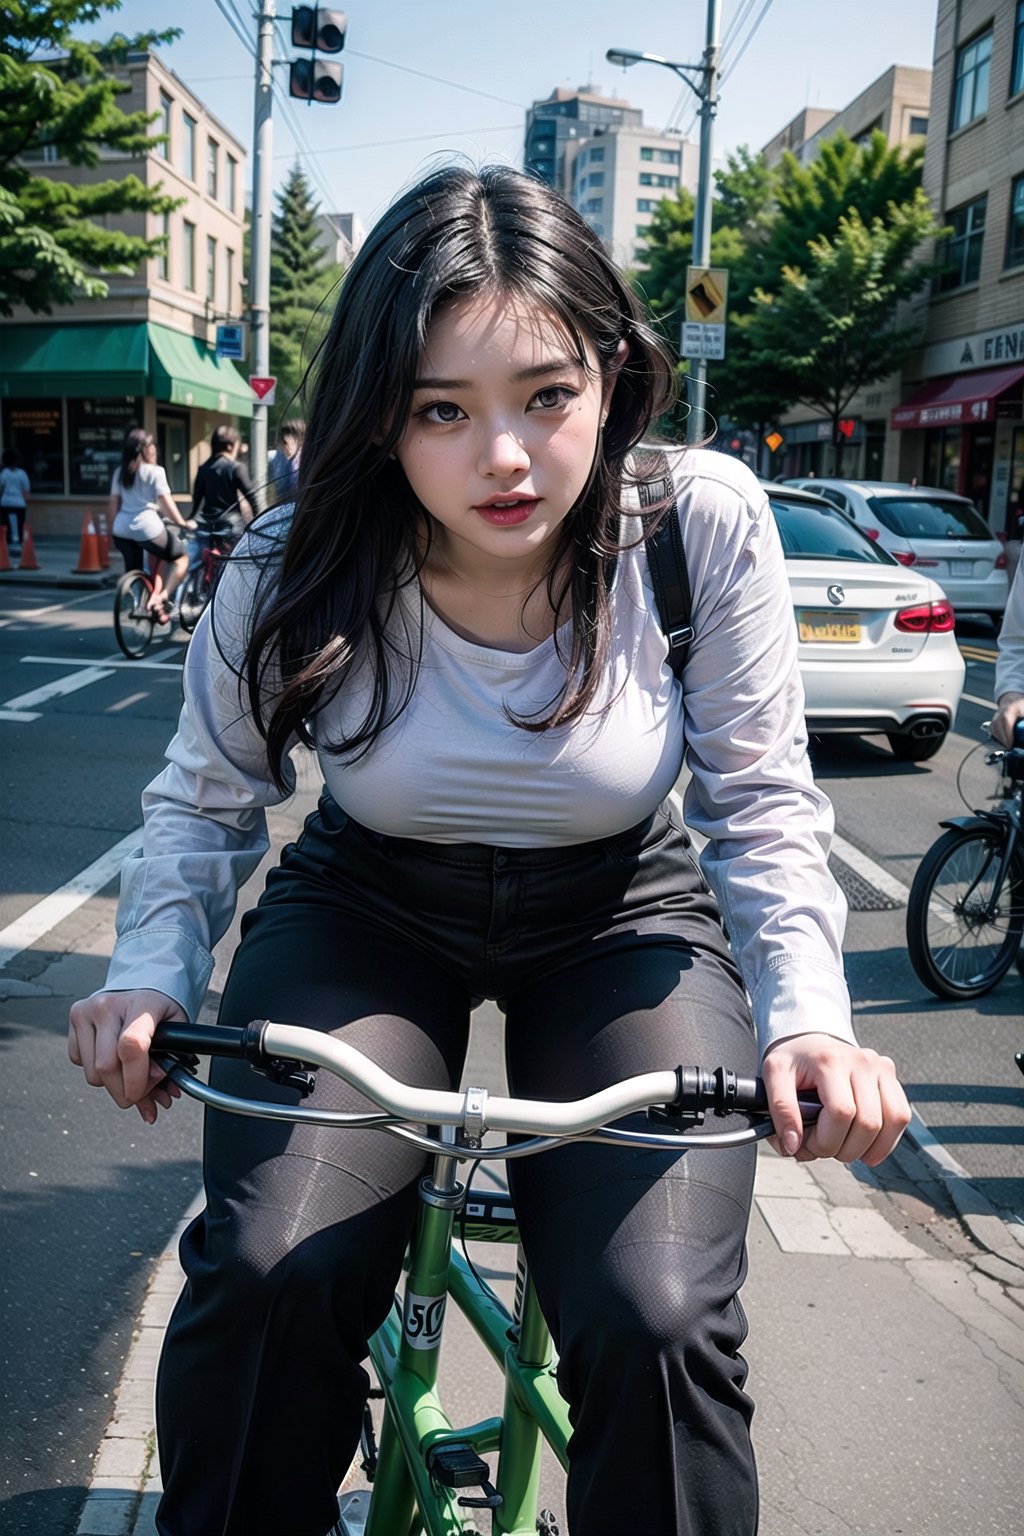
932	531
877	649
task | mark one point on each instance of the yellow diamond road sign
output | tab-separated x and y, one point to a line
704	322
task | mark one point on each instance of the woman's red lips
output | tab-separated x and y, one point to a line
507	510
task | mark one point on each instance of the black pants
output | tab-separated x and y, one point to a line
608	959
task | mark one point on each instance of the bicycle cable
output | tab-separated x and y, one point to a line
473	1167
982	746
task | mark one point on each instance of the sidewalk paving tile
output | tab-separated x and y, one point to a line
869	1236
801	1225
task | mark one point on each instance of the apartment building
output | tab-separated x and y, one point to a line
959	421
596	151
341	235
72	383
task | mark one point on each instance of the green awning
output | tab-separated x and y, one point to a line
83	361
184	371
97	361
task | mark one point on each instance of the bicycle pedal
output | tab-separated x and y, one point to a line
458	1466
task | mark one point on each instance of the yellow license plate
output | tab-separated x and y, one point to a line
829	627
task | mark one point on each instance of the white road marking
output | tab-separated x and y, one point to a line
133	698
53	909
117	661
59	687
874	873
973	699
19	715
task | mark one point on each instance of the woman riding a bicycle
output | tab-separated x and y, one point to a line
458	617
141	507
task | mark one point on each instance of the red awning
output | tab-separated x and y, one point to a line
958	399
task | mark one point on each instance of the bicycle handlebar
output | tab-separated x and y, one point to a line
674	1098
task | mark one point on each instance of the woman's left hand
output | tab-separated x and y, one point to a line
864	1109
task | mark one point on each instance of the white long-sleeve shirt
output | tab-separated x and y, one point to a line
1010	666
452	768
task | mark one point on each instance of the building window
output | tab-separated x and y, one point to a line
1017	58
36	429
970	90
96	433
594	205
189	166
598	154
229	275
232	182
919	125
646	154
648	179
163	261
646	204
165	126
188	256
1015	234
963	248
211	269
667	156
597	178
211	167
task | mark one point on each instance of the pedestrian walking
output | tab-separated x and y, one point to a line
15	494
284	472
457	615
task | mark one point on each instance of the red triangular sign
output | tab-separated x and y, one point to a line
261	387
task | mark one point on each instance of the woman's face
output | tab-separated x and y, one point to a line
149	453
503	430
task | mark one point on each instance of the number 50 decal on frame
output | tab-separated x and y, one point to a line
422	1320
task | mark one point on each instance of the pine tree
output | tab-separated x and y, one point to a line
302	278
59	93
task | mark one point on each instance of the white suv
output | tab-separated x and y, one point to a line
938	533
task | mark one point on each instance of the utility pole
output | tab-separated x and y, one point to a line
259	278
702	210
707	94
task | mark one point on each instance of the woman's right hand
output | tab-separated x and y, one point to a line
109	1038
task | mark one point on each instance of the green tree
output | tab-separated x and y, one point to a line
302	278
59	95
830	327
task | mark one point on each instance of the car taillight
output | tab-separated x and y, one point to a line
926	619
870	533
1000	561
904	556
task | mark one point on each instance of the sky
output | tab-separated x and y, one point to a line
432	80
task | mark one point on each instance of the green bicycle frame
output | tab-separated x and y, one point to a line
407	1499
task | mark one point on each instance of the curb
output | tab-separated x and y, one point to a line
71	579
1002	1238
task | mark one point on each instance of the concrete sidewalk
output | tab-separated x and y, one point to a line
58	561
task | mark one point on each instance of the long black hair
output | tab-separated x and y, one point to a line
326	600
135	444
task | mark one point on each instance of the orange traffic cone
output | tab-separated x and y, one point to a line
103	541
88	551
5	558
28	561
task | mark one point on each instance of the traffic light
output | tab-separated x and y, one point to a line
321	31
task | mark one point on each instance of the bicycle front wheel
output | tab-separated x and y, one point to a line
133	620
962	932
195	594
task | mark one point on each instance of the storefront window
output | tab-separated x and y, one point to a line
942	448
96	432
35	428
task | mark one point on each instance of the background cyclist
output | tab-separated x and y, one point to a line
141	507
223	497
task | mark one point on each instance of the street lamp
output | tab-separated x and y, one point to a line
705	88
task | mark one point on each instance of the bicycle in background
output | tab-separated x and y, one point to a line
965	914
428	1475
134	620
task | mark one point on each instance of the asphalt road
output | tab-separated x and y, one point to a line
90	1196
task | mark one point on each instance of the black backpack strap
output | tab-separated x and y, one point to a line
667	560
